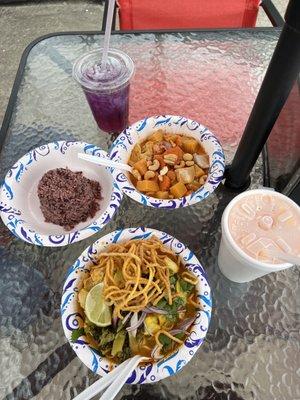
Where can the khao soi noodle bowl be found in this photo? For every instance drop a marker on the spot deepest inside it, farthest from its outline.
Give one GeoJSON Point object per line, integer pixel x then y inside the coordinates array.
{"type": "Point", "coordinates": [137, 298]}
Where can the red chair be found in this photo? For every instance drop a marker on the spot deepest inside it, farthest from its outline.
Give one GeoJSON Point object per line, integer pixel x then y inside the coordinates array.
{"type": "Point", "coordinates": [191, 14]}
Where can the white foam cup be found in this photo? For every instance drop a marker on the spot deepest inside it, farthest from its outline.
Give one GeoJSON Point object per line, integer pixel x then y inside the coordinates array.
{"type": "Point", "coordinates": [233, 262]}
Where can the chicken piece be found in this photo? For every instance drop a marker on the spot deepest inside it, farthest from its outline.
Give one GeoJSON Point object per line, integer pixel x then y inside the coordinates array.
{"type": "Point", "coordinates": [202, 160]}
{"type": "Point", "coordinates": [161, 147]}
{"type": "Point", "coordinates": [185, 175]}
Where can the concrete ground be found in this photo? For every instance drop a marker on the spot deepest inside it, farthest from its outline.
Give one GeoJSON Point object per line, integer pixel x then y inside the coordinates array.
{"type": "Point", "coordinates": [22, 23]}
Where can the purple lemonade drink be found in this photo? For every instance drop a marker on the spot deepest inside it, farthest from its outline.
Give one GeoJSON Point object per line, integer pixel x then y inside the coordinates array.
{"type": "Point", "coordinates": [106, 87]}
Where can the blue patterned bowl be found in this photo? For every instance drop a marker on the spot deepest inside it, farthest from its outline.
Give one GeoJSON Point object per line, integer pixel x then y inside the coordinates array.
{"type": "Point", "coordinates": [72, 317]}
{"type": "Point", "coordinates": [139, 131]}
{"type": "Point", "coordinates": [19, 203]}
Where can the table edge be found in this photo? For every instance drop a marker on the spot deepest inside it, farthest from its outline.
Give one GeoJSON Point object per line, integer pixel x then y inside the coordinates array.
{"type": "Point", "coordinates": [20, 71]}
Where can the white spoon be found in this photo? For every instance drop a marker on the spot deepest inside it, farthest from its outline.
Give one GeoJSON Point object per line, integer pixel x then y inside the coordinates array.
{"type": "Point", "coordinates": [114, 377]}
{"type": "Point", "coordinates": [106, 162]}
{"type": "Point", "coordinates": [119, 382]}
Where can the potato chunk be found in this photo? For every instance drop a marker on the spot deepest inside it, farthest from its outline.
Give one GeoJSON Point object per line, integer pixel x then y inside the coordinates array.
{"type": "Point", "coordinates": [178, 190]}
{"type": "Point", "coordinates": [147, 186]}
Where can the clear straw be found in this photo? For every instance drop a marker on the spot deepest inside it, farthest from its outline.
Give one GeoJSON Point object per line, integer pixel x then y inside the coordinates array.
{"type": "Point", "coordinates": [109, 18]}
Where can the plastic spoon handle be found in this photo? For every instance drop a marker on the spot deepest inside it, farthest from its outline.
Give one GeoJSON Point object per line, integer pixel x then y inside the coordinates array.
{"type": "Point", "coordinates": [101, 383]}
{"type": "Point", "coordinates": [290, 258]}
{"type": "Point", "coordinates": [105, 162]}
{"type": "Point", "coordinates": [117, 385]}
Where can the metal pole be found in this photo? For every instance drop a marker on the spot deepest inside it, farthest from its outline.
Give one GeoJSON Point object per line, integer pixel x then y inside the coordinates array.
{"type": "Point", "coordinates": [277, 84]}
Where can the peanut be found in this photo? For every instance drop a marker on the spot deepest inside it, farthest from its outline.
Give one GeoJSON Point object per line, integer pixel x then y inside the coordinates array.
{"type": "Point", "coordinates": [187, 157]}
{"type": "Point", "coordinates": [170, 159]}
{"type": "Point", "coordinates": [160, 178]}
{"type": "Point", "coordinates": [149, 175]}
{"type": "Point", "coordinates": [149, 163]}
{"type": "Point", "coordinates": [181, 165]}
{"type": "Point", "coordinates": [154, 166]}
{"type": "Point", "coordinates": [136, 174]}
{"type": "Point", "coordinates": [189, 163]}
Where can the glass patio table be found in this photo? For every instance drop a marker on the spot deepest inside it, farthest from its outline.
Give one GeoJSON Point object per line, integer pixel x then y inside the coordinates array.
{"type": "Point", "coordinates": [252, 346]}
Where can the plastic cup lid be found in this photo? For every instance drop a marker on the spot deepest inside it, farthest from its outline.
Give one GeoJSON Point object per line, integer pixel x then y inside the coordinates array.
{"type": "Point", "coordinates": [259, 223]}
{"type": "Point", "coordinates": [92, 76]}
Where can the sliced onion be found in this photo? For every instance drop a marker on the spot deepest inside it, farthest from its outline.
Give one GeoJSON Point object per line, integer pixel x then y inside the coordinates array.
{"type": "Point", "coordinates": [176, 331]}
{"type": "Point", "coordinates": [156, 310]}
{"type": "Point", "coordinates": [155, 354]}
{"type": "Point", "coordinates": [202, 160]}
{"type": "Point", "coordinates": [135, 323]}
{"type": "Point", "coordinates": [185, 324]}
{"type": "Point", "coordinates": [183, 327]}
{"type": "Point", "coordinates": [115, 322]}
{"type": "Point", "coordinates": [125, 319]}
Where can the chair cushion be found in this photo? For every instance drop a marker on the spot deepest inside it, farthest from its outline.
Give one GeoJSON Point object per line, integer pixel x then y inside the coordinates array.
{"type": "Point", "coordinates": [172, 14]}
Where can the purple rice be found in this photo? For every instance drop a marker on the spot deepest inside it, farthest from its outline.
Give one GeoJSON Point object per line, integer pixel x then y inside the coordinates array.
{"type": "Point", "coordinates": [68, 198]}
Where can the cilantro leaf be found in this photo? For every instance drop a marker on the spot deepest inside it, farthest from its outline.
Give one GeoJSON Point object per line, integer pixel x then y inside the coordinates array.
{"type": "Point", "coordinates": [177, 302]}
{"type": "Point", "coordinates": [186, 286]}
{"type": "Point", "coordinates": [180, 335]}
{"type": "Point", "coordinates": [76, 333]}
{"type": "Point", "coordinates": [172, 309]}
{"type": "Point", "coordinates": [172, 317]}
{"type": "Point", "coordinates": [173, 280]}
{"type": "Point", "coordinates": [163, 304]}
{"type": "Point", "coordinates": [164, 340]}
{"type": "Point", "coordinates": [106, 337]}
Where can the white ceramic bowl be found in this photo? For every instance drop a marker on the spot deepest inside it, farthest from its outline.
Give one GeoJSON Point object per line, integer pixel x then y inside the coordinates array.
{"type": "Point", "coordinates": [19, 203]}
{"type": "Point", "coordinates": [139, 131]}
{"type": "Point", "coordinates": [72, 317]}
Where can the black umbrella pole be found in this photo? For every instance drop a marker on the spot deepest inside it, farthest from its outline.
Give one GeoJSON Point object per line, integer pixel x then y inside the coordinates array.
{"type": "Point", "coordinates": [277, 84]}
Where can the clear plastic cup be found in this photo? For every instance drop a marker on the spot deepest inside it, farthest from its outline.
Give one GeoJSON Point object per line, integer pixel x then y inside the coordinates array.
{"type": "Point", "coordinates": [106, 89]}
{"type": "Point", "coordinates": [233, 261]}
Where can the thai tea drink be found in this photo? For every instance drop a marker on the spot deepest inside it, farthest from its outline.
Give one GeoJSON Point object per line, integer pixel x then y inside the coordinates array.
{"type": "Point", "coordinates": [106, 87]}
{"type": "Point", "coordinates": [257, 227]}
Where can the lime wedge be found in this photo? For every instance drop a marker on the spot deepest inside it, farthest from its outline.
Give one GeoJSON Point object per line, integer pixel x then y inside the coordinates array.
{"type": "Point", "coordinates": [96, 309]}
